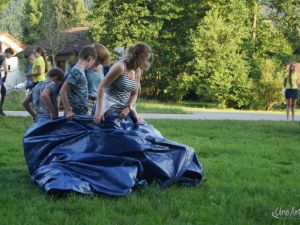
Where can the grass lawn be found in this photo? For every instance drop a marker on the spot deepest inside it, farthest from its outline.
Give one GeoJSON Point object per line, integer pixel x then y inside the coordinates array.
{"type": "Point", "coordinates": [251, 169]}
{"type": "Point", "coordinates": [14, 99]}
{"type": "Point", "coordinates": [154, 106]}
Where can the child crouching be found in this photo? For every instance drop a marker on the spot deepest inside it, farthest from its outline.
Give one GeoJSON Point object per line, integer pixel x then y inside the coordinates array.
{"type": "Point", "coordinates": [44, 97]}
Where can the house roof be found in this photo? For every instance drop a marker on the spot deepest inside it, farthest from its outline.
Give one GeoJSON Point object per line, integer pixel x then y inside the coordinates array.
{"type": "Point", "coordinates": [9, 41]}
{"type": "Point", "coordinates": [75, 39]}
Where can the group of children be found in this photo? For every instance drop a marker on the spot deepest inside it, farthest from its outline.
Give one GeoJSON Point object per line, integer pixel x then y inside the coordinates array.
{"type": "Point", "coordinates": [77, 89]}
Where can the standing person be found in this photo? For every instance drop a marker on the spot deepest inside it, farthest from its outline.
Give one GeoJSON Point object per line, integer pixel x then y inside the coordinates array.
{"type": "Point", "coordinates": [2, 64]}
{"type": "Point", "coordinates": [30, 83]}
{"type": "Point", "coordinates": [119, 89]}
{"type": "Point", "coordinates": [74, 92]}
{"type": "Point", "coordinates": [44, 97]}
{"type": "Point", "coordinates": [39, 67]}
{"type": "Point", "coordinates": [95, 74]}
{"type": "Point", "coordinates": [291, 92]}
{"type": "Point", "coordinates": [8, 53]}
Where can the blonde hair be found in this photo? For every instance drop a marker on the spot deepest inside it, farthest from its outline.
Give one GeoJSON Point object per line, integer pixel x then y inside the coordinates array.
{"type": "Point", "coordinates": [135, 55]}
{"type": "Point", "coordinates": [103, 55]}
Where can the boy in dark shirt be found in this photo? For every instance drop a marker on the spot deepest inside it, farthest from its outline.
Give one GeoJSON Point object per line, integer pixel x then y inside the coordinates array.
{"type": "Point", "coordinates": [44, 97]}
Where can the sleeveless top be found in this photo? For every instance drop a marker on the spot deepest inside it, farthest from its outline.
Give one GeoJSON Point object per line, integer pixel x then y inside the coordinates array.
{"type": "Point", "coordinates": [117, 95]}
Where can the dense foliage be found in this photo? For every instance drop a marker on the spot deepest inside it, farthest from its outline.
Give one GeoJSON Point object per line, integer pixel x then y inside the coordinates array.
{"type": "Point", "coordinates": [216, 51]}
{"type": "Point", "coordinates": [221, 51]}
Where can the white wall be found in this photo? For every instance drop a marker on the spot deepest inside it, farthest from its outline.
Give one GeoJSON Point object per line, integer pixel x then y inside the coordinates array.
{"type": "Point", "coordinates": [15, 73]}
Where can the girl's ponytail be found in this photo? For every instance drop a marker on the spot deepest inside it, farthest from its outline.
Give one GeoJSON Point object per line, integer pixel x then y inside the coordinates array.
{"type": "Point", "coordinates": [43, 54]}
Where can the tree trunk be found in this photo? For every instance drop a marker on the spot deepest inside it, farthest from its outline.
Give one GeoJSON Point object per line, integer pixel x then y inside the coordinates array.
{"type": "Point", "coordinates": [254, 25]}
{"type": "Point", "coordinates": [53, 61]}
{"type": "Point", "coordinates": [157, 79]}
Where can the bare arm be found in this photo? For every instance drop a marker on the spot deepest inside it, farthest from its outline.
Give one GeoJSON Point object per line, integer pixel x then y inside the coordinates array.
{"type": "Point", "coordinates": [116, 71]}
{"type": "Point", "coordinates": [135, 93]}
{"type": "Point", "coordinates": [26, 104]}
{"type": "Point", "coordinates": [38, 72]}
{"type": "Point", "coordinates": [133, 99]}
{"type": "Point", "coordinates": [64, 99]}
{"type": "Point", "coordinates": [47, 100]}
{"type": "Point", "coordinates": [4, 64]}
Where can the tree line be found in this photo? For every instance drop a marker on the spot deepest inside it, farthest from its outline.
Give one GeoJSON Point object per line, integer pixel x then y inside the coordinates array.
{"type": "Point", "coordinates": [231, 52]}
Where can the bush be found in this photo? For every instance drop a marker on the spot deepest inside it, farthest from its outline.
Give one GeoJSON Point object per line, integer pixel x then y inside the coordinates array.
{"type": "Point", "coordinates": [267, 92]}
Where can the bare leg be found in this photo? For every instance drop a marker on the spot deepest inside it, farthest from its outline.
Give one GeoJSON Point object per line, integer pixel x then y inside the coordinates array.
{"type": "Point", "coordinates": [293, 105]}
{"type": "Point", "coordinates": [288, 103]}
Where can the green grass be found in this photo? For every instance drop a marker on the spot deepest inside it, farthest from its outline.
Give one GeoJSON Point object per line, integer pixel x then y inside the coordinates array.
{"type": "Point", "coordinates": [155, 106]}
{"type": "Point", "coordinates": [251, 168]}
{"type": "Point", "coordinates": [14, 99]}
{"type": "Point", "coordinates": [152, 106]}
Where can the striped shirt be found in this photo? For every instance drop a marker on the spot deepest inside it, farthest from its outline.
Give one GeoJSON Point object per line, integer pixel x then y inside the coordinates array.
{"type": "Point", "coordinates": [118, 93]}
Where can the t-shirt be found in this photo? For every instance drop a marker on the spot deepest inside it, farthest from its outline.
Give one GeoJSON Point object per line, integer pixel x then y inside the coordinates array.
{"type": "Point", "coordinates": [38, 104]}
{"type": "Point", "coordinates": [294, 81]}
{"type": "Point", "coordinates": [39, 62]}
{"type": "Point", "coordinates": [78, 91]}
{"type": "Point", "coordinates": [94, 78]}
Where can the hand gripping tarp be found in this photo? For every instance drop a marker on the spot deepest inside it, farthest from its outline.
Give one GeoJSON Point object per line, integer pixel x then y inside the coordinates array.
{"type": "Point", "coordinates": [112, 158]}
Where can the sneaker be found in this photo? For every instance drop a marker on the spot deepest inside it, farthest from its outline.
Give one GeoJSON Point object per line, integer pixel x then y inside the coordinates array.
{"type": "Point", "coordinates": [2, 113]}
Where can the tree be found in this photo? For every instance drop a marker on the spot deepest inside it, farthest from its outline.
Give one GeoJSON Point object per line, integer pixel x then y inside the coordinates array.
{"type": "Point", "coordinates": [268, 90]}
{"type": "Point", "coordinates": [221, 69]}
{"type": "Point", "coordinates": [65, 14]}
{"type": "Point", "coordinates": [213, 50]}
{"type": "Point", "coordinates": [9, 17]}
{"type": "Point", "coordinates": [52, 24]}
{"type": "Point", "coordinates": [3, 3]}
{"type": "Point", "coordinates": [286, 17]}
{"type": "Point", "coordinates": [121, 23]}
{"type": "Point", "coordinates": [163, 24]}
{"type": "Point", "coordinates": [33, 12]}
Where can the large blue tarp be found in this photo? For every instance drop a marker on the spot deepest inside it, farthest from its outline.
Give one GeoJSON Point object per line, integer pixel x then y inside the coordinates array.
{"type": "Point", "coordinates": [112, 158]}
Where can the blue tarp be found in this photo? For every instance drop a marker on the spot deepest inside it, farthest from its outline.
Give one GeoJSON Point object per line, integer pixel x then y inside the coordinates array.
{"type": "Point", "coordinates": [112, 158]}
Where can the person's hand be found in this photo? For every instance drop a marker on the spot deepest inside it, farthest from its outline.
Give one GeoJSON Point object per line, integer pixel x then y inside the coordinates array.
{"type": "Point", "coordinates": [34, 117]}
{"type": "Point", "coordinates": [54, 116]}
{"type": "Point", "coordinates": [98, 117]}
{"type": "Point", "coordinates": [138, 118]}
{"type": "Point", "coordinates": [69, 115]}
{"type": "Point", "coordinates": [124, 113]}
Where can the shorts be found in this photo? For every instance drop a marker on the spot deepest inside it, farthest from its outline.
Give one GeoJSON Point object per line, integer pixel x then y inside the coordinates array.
{"type": "Point", "coordinates": [91, 106]}
{"type": "Point", "coordinates": [291, 93]}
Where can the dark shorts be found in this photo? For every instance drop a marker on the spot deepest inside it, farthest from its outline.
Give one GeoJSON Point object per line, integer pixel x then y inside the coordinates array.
{"type": "Point", "coordinates": [291, 93]}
